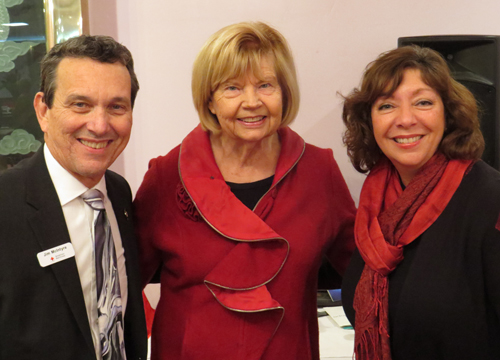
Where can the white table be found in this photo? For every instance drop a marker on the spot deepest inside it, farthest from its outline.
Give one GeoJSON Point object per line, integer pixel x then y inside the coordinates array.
{"type": "Point", "coordinates": [335, 342]}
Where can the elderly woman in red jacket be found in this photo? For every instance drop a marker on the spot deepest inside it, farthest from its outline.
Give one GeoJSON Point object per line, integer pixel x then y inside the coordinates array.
{"type": "Point", "coordinates": [240, 214]}
{"type": "Point", "coordinates": [425, 283]}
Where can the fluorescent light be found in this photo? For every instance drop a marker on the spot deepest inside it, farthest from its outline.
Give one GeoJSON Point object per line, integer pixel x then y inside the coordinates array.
{"type": "Point", "coordinates": [16, 24]}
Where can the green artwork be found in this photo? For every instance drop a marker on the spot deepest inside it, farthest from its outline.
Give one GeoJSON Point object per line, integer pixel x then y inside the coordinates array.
{"type": "Point", "coordinates": [22, 46]}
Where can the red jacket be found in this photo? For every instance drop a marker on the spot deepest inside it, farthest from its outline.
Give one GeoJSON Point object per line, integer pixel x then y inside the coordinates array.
{"type": "Point", "coordinates": [237, 284]}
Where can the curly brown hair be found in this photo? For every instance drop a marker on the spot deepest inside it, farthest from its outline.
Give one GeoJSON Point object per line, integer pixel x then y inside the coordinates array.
{"type": "Point", "coordinates": [462, 138]}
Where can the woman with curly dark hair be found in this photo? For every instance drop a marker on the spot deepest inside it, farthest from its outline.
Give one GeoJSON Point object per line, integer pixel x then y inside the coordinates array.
{"type": "Point", "coordinates": [424, 282]}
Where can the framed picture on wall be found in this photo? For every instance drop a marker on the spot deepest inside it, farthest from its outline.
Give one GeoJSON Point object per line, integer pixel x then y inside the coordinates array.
{"type": "Point", "coordinates": [28, 28]}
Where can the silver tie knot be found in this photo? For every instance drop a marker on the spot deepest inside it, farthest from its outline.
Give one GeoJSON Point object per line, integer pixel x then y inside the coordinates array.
{"type": "Point", "coordinates": [94, 198]}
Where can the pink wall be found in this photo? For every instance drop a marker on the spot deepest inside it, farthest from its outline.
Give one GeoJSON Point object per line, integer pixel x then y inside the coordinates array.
{"type": "Point", "coordinates": [332, 41]}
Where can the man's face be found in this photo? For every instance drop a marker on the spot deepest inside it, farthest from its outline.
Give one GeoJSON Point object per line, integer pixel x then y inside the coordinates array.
{"type": "Point", "coordinates": [90, 120]}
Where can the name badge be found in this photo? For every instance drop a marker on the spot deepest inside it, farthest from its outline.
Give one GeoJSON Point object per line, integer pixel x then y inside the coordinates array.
{"type": "Point", "coordinates": [56, 254]}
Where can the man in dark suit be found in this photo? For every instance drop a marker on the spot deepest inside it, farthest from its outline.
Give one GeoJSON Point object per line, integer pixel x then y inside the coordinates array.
{"type": "Point", "coordinates": [49, 302]}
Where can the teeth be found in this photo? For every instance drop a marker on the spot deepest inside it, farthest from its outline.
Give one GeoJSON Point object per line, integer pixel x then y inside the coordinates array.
{"type": "Point", "coordinates": [408, 140]}
{"type": "Point", "coordinates": [252, 120]}
{"type": "Point", "coordinates": [95, 145]}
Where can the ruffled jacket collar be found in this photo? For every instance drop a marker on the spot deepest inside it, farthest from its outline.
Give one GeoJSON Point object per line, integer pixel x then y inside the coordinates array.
{"type": "Point", "coordinates": [238, 281]}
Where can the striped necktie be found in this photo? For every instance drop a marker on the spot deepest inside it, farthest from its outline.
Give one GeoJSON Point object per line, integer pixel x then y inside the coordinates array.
{"type": "Point", "coordinates": [109, 304]}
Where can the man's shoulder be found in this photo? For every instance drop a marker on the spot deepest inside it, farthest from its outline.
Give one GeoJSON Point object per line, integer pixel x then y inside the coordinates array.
{"type": "Point", "coordinates": [14, 184]}
{"type": "Point", "coordinates": [117, 186]}
{"type": "Point", "coordinates": [11, 176]}
{"type": "Point", "coordinates": [116, 179]}
{"type": "Point", "coordinates": [16, 177]}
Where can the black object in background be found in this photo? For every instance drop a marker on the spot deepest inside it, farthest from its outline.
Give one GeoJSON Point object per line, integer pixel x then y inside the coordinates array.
{"type": "Point", "coordinates": [328, 278]}
{"type": "Point", "coordinates": [473, 60]}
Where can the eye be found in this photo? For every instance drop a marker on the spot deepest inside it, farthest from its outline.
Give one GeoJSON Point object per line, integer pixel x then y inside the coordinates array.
{"type": "Point", "coordinates": [80, 106]}
{"type": "Point", "coordinates": [118, 109]}
{"type": "Point", "coordinates": [229, 91]}
{"type": "Point", "coordinates": [267, 88]}
{"type": "Point", "coordinates": [424, 102]}
{"type": "Point", "coordinates": [385, 107]}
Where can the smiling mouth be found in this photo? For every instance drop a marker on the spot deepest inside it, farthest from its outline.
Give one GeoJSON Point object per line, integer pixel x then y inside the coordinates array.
{"type": "Point", "coordinates": [95, 145]}
{"type": "Point", "coordinates": [252, 119]}
{"type": "Point", "coordinates": [408, 140]}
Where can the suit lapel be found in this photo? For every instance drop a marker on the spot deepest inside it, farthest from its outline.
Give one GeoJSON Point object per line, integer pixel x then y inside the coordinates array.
{"type": "Point", "coordinates": [49, 226]}
{"type": "Point", "coordinates": [122, 208]}
{"type": "Point", "coordinates": [135, 324]}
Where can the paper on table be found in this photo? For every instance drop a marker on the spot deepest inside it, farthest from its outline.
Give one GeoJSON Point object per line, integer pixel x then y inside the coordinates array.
{"type": "Point", "coordinates": [338, 315]}
{"type": "Point", "coordinates": [334, 342]}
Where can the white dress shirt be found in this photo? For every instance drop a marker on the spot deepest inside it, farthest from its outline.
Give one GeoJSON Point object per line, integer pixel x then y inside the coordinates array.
{"type": "Point", "coordinates": [80, 222]}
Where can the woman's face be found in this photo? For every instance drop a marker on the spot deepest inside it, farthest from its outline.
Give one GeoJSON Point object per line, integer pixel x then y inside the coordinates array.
{"type": "Point", "coordinates": [249, 109]}
{"type": "Point", "coordinates": [409, 124]}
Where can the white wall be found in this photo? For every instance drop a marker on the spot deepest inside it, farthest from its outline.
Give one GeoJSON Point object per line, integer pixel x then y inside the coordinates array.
{"type": "Point", "coordinates": [332, 41]}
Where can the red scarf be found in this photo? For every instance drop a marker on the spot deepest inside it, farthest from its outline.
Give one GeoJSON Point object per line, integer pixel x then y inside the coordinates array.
{"type": "Point", "coordinates": [389, 218]}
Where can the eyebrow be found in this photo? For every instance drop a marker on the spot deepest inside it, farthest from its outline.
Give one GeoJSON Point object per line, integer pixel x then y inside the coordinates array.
{"type": "Point", "coordinates": [416, 92]}
{"type": "Point", "coordinates": [121, 99]}
{"type": "Point", "coordinates": [230, 81]}
{"type": "Point", "coordinates": [269, 77]}
{"type": "Point", "coordinates": [76, 97]}
{"type": "Point", "coordinates": [419, 90]}
{"type": "Point", "coordinates": [260, 76]}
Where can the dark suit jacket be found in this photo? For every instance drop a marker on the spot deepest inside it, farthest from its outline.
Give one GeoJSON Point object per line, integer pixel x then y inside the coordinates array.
{"type": "Point", "coordinates": [42, 310]}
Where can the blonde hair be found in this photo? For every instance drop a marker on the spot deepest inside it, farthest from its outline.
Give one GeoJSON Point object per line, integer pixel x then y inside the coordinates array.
{"type": "Point", "coordinates": [230, 53]}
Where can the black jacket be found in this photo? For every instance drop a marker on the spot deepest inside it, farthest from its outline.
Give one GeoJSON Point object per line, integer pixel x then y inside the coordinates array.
{"type": "Point", "coordinates": [42, 310]}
